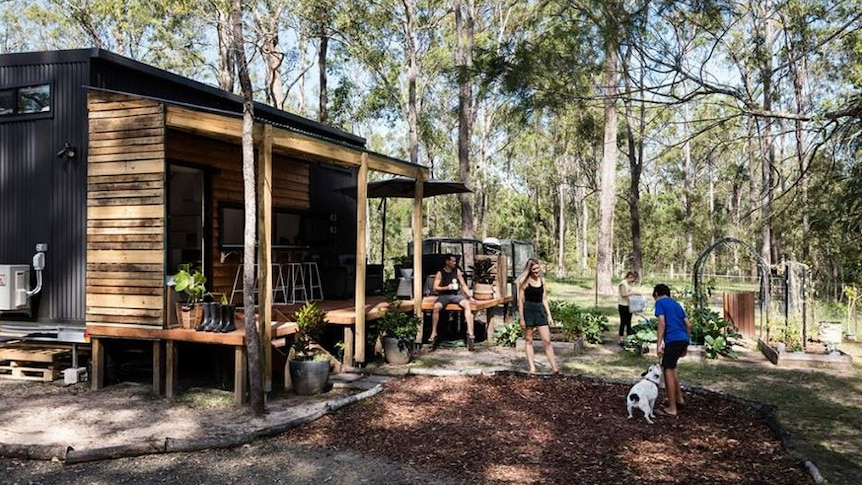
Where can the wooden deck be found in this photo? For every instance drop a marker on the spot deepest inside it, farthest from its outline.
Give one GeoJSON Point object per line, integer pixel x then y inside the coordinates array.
{"type": "Point", "coordinates": [338, 312]}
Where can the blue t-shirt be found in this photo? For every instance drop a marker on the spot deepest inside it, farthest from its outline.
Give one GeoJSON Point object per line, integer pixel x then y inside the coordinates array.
{"type": "Point", "coordinates": [674, 320]}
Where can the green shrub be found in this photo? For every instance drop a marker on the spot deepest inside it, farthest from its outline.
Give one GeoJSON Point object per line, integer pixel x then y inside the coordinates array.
{"type": "Point", "coordinates": [508, 335]}
{"type": "Point", "coordinates": [310, 321]}
{"type": "Point", "coordinates": [790, 333]}
{"type": "Point", "coordinates": [576, 322]}
{"type": "Point", "coordinates": [713, 332]}
{"type": "Point", "coordinates": [398, 324]}
{"type": "Point", "coordinates": [644, 333]}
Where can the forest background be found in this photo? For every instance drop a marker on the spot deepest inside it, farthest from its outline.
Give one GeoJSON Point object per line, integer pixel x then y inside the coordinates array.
{"type": "Point", "coordinates": [613, 135]}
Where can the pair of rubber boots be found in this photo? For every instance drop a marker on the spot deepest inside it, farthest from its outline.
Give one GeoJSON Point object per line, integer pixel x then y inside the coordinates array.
{"type": "Point", "coordinates": [217, 318]}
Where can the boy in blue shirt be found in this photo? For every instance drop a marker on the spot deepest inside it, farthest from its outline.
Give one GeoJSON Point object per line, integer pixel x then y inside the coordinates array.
{"type": "Point", "coordinates": [674, 332]}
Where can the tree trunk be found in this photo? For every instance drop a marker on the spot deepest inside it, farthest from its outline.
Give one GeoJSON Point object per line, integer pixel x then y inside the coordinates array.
{"type": "Point", "coordinates": [412, 101]}
{"type": "Point", "coordinates": [561, 234]}
{"type": "Point", "coordinates": [248, 174]}
{"type": "Point", "coordinates": [636, 153]}
{"type": "Point", "coordinates": [687, 183]}
{"type": "Point", "coordinates": [799, 69]}
{"type": "Point", "coordinates": [272, 56]}
{"type": "Point", "coordinates": [608, 182]}
{"type": "Point", "coordinates": [226, 67]}
{"type": "Point", "coordinates": [303, 65]}
{"type": "Point", "coordinates": [767, 142]}
{"type": "Point", "coordinates": [321, 63]}
{"type": "Point", "coordinates": [464, 28]}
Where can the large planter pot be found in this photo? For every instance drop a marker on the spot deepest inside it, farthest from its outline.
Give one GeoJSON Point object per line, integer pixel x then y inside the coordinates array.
{"type": "Point", "coordinates": [308, 377]}
{"type": "Point", "coordinates": [483, 291]}
{"type": "Point", "coordinates": [395, 354]}
{"type": "Point", "coordinates": [189, 316]}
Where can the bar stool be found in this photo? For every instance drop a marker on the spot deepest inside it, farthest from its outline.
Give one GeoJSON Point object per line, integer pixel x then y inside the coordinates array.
{"type": "Point", "coordinates": [313, 281]}
{"type": "Point", "coordinates": [296, 280]}
{"type": "Point", "coordinates": [278, 283]}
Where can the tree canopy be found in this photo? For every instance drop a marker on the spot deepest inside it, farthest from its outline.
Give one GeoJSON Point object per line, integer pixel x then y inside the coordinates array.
{"type": "Point", "coordinates": [613, 135]}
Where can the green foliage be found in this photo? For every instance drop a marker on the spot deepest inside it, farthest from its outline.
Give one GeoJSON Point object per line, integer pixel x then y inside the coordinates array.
{"type": "Point", "coordinates": [707, 327]}
{"type": "Point", "coordinates": [403, 261]}
{"type": "Point", "coordinates": [310, 320]}
{"type": "Point", "coordinates": [191, 282]}
{"type": "Point", "coordinates": [508, 335]}
{"type": "Point", "coordinates": [576, 322]}
{"type": "Point", "coordinates": [790, 333]}
{"type": "Point", "coordinates": [483, 271]}
{"type": "Point", "coordinates": [395, 323]}
{"type": "Point", "coordinates": [645, 333]}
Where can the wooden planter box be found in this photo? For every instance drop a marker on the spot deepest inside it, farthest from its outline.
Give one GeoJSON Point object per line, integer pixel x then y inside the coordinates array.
{"type": "Point", "coordinates": [805, 359]}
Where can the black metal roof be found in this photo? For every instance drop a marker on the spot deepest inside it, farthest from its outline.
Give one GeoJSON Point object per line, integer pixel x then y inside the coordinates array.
{"type": "Point", "coordinates": [264, 111]}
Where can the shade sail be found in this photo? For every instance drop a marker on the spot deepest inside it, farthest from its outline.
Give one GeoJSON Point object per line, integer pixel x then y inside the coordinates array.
{"type": "Point", "coordinates": [403, 188]}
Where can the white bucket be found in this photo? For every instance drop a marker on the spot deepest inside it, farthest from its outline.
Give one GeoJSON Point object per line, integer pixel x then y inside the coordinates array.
{"type": "Point", "coordinates": [830, 332]}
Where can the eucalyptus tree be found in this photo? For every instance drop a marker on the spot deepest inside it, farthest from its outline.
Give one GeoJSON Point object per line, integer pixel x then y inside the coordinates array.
{"type": "Point", "coordinates": [752, 59]}
{"type": "Point", "coordinates": [163, 34]}
{"type": "Point", "coordinates": [269, 20]}
{"type": "Point", "coordinates": [396, 43]}
{"type": "Point", "coordinates": [464, 32]}
{"type": "Point", "coordinates": [253, 344]}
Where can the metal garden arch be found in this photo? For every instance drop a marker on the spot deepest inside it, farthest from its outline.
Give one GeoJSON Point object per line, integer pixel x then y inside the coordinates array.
{"type": "Point", "coordinates": [763, 273]}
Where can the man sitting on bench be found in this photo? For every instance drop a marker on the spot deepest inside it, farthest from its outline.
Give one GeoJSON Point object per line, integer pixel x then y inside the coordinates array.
{"type": "Point", "coordinates": [449, 285]}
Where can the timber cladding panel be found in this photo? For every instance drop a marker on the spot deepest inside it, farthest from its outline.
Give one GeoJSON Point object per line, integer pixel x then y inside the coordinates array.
{"type": "Point", "coordinates": [291, 187]}
{"type": "Point", "coordinates": [125, 210]}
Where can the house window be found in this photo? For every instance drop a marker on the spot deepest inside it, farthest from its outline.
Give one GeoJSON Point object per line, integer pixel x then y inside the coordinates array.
{"type": "Point", "coordinates": [25, 101]}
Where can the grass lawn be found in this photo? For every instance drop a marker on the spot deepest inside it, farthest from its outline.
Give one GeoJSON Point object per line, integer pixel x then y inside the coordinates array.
{"type": "Point", "coordinates": [821, 409]}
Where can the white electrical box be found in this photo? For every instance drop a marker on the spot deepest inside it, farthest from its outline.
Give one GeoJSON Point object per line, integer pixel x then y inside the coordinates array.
{"type": "Point", "coordinates": [14, 283]}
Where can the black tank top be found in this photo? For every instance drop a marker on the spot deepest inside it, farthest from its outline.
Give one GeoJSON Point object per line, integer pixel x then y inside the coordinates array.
{"type": "Point", "coordinates": [534, 293]}
{"type": "Point", "coordinates": [446, 279]}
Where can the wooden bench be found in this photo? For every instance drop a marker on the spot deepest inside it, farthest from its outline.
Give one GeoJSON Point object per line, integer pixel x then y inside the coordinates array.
{"type": "Point", "coordinates": [475, 306]}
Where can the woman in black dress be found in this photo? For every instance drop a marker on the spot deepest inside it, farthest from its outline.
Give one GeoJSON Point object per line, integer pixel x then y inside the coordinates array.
{"type": "Point", "coordinates": [535, 313]}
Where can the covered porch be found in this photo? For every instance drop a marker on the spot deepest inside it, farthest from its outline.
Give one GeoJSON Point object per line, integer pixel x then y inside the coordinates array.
{"type": "Point", "coordinates": [137, 146]}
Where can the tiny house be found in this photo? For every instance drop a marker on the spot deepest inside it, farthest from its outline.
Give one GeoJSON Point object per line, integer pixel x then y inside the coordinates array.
{"type": "Point", "coordinates": [120, 172]}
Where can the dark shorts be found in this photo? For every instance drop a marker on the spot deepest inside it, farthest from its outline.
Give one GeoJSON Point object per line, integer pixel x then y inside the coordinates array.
{"type": "Point", "coordinates": [447, 299]}
{"type": "Point", "coordinates": [534, 314]}
{"type": "Point", "coordinates": [672, 352]}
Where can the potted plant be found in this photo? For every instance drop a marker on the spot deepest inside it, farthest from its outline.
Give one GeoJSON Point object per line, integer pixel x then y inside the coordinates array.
{"type": "Point", "coordinates": [191, 284]}
{"type": "Point", "coordinates": [403, 266]}
{"type": "Point", "coordinates": [484, 277]}
{"type": "Point", "coordinates": [308, 366]}
{"type": "Point", "coordinates": [397, 330]}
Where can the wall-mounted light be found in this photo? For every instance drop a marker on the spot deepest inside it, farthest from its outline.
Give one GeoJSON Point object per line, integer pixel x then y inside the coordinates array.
{"type": "Point", "coordinates": [69, 151]}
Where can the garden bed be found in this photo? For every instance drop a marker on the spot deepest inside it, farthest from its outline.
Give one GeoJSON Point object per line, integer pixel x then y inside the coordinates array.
{"type": "Point", "coordinates": [813, 360]}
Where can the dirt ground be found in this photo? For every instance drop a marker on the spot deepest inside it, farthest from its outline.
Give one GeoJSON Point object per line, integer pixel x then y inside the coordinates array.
{"type": "Point", "coordinates": [495, 429]}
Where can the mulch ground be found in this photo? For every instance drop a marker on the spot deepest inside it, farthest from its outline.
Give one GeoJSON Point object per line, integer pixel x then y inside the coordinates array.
{"type": "Point", "coordinates": [561, 430]}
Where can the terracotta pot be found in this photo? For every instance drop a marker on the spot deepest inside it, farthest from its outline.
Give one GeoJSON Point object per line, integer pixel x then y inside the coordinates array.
{"type": "Point", "coordinates": [483, 291]}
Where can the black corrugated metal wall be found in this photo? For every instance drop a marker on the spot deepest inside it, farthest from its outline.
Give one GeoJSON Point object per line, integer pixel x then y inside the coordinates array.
{"type": "Point", "coordinates": [43, 197]}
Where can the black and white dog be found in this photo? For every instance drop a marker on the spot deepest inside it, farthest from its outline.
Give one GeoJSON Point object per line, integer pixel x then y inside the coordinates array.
{"type": "Point", "coordinates": [645, 392]}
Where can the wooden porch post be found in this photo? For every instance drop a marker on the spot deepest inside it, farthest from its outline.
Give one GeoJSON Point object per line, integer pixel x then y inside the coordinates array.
{"type": "Point", "coordinates": [417, 253]}
{"type": "Point", "coordinates": [361, 256]}
{"type": "Point", "coordinates": [264, 253]}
